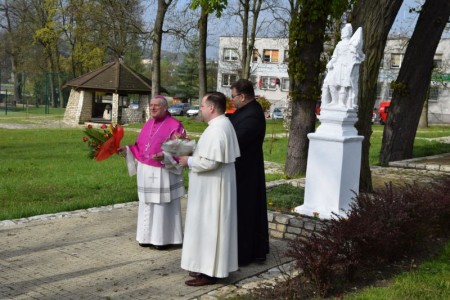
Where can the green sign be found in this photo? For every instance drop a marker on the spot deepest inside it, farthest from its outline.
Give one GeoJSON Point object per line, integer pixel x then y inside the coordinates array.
{"type": "Point", "coordinates": [440, 77]}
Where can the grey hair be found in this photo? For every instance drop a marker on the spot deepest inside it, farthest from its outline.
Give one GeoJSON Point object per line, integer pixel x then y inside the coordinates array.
{"type": "Point", "coordinates": [162, 100]}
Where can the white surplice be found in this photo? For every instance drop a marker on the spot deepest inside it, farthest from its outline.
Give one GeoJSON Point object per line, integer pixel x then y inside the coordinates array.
{"type": "Point", "coordinates": [210, 236]}
{"type": "Point", "coordinates": [160, 191]}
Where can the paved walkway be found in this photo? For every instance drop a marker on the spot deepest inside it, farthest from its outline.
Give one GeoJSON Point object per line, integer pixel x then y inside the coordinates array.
{"type": "Point", "coordinates": [92, 254]}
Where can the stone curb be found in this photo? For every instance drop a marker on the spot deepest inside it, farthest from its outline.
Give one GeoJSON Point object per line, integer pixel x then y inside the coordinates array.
{"type": "Point", "coordinates": [67, 214]}
{"type": "Point", "coordinates": [420, 163]}
{"type": "Point", "coordinates": [270, 278]}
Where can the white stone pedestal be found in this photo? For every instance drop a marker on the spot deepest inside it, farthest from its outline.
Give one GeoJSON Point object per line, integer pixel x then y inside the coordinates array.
{"type": "Point", "coordinates": [334, 160]}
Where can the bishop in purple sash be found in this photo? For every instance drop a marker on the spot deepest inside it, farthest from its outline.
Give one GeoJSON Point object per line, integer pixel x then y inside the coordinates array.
{"type": "Point", "coordinates": [159, 179]}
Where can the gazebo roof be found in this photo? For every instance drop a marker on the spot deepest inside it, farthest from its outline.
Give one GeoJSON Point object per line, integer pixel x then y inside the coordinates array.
{"type": "Point", "coordinates": [114, 77]}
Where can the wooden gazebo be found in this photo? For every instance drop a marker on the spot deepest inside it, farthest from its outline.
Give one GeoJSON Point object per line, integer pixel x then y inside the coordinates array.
{"type": "Point", "coordinates": [103, 96]}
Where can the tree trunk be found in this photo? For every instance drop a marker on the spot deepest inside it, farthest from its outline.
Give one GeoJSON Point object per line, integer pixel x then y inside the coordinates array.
{"type": "Point", "coordinates": [203, 34]}
{"type": "Point", "coordinates": [376, 18]}
{"type": "Point", "coordinates": [423, 121]}
{"type": "Point", "coordinates": [411, 86]}
{"type": "Point", "coordinates": [156, 48]}
{"type": "Point", "coordinates": [17, 79]}
{"type": "Point", "coordinates": [304, 70]}
{"type": "Point", "coordinates": [244, 43]}
{"type": "Point", "coordinates": [251, 42]}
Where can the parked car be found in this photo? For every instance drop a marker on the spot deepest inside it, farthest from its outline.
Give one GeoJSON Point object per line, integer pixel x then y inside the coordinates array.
{"type": "Point", "coordinates": [134, 106]}
{"type": "Point", "coordinates": [317, 109]}
{"type": "Point", "coordinates": [277, 114]}
{"type": "Point", "coordinates": [193, 111]}
{"type": "Point", "coordinates": [179, 109]}
{"type": "Point", "coordinates": [383, 111]}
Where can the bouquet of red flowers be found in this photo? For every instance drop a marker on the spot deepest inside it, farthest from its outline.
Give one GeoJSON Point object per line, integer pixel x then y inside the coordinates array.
{"type": "Point", "coordinates": [104, 141]}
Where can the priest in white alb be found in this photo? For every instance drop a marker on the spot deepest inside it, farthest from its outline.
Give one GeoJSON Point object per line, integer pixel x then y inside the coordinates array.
{"type": "Point", "coordinates": [159, 179]}
{"type": "Point", "coordinates": [210, 235]}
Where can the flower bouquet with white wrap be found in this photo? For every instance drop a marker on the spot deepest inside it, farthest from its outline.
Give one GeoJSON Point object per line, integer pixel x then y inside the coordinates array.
{"type": "Point", "coordinates": [179, 146]}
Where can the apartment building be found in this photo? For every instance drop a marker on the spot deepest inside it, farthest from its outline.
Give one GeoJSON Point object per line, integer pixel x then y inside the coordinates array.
{"type": "Point", "coordinates": [269, 74]}
{"type": "Point", "coordinates": [268, 70]}
{"type": "Point", "coordinates": [439, 94]}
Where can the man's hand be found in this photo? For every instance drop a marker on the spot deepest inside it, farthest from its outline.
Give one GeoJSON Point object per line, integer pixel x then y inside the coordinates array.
{"type": "Point", "coordinates": [158, 157]}
{"type": "Point", "coordinates": [183, 161]}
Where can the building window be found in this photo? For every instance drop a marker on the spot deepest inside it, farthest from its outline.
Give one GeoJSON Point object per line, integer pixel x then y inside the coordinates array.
{"type": "Point", "coordinates": [437, 63]}
{"type": "Point", "coordinates": [391, 92]}
{"type": "Point", "coordinates": [254, 80]}
{"type": "Point", "coordinates": [269, 83]}
{"type": "Point", "coordinates": [255, 55]}
{"type": "Point", "coordinates": [285, 84]}
{"type": "Point", "coordinates": [270, 55]}
{"type": "Point", "coordinates": [396, 61]}
{"type": "Point", "coordinates": [286, 56]}
{"type": "Point", "coordinates": [228, 79]}
{"type": "Point", "coordinates": [434, 94]}
{"type": "Point", "coordinates": [379, 89]}
{"type": "Point", "coordinates": [264, 83]}
{"type": "Point", "coordinates": [230, 54]}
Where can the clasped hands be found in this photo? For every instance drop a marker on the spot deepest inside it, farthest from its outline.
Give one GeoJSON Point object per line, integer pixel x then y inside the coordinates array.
{"type": "Point", "coordinates": [183, 161]}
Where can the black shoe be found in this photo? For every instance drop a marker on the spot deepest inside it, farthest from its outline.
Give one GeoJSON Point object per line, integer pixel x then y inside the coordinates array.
{"type": "Point", "coordinates": [145, 245]}
{"type": "Point", "coordinates": [162, 247]}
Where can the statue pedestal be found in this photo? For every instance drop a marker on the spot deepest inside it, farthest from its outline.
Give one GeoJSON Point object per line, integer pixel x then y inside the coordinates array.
{"type": "Point", "coordinates": [334, 160]}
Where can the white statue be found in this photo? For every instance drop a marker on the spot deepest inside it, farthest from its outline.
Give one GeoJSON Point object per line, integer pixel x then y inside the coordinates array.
{"type": "Point", "coordinates": [107, 112]}
{"type": "Point", "coordinates": [340, 86]}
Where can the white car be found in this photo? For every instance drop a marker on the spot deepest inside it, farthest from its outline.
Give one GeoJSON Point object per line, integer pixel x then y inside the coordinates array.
{"type": "Point", "coordinates": [193, 111]}
{"type": "Point", "coordinates": [178, 109]}
{"type": "Point", "coordinates": [277, 114]}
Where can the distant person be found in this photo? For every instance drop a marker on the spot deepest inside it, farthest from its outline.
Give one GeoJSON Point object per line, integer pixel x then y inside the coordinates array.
{"type": "Point", "coordinates": [249, 123]}
{"type": "Point", "coordinates": [210, 236]}
{"type": "Point", "coordinates": [159, 179]}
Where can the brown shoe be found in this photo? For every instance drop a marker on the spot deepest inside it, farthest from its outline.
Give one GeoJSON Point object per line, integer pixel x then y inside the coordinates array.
{"type": "Point", "coordinates": [194, 274]}
{"type": "Point", "coordinates": [201, 280]}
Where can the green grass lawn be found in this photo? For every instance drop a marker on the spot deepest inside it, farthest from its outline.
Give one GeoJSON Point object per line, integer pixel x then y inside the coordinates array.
{"type": "Point", "coordinates": [47, 170]}
{"type": "Point", "coordinates": [430, 280]}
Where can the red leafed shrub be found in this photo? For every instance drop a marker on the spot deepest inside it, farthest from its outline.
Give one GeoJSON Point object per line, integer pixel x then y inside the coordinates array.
{"type": "Point", "coordinates": [379, 228]}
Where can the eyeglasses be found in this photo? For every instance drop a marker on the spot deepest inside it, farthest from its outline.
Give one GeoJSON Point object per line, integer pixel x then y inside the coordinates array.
{"type": "Point", "coordinates": [234, 96]}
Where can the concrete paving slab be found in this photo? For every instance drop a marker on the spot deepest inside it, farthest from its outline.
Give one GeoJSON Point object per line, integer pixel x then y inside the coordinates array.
{"type": "Point", "coordinates": [94, 255]}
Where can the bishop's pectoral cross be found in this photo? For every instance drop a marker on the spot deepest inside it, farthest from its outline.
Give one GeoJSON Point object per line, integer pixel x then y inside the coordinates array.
{"type": "Point", "coordinates": [147, 146]}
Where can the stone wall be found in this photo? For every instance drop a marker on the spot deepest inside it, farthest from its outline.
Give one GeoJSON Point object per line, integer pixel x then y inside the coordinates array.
{"type": "Point", "coordinates": [132, 116]}
{"type": "Point", "coordinates": [284, 226]}
{"type": "Point", "coordinates": [79, 107]}
{"type": "Point", "coordinates": [85, 106]}
{"type": "Point", "coordinates": [70, 114]}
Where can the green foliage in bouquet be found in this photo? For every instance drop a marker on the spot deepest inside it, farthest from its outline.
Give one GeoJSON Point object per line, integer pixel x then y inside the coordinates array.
{"type": "Point", "coordinates": [95, 137]}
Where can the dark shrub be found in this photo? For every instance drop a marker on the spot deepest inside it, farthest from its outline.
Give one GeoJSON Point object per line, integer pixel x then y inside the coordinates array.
{"type": "Point", "coordinates": [379, 228]}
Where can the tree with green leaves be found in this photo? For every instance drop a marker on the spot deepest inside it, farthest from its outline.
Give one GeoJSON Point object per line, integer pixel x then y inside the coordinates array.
{"type": "Point", "coordinates": [413, 81]}
{"type": "Point", "coordinates": [187, 73]}
{"type": "Point", "coordinates": [15, 41]}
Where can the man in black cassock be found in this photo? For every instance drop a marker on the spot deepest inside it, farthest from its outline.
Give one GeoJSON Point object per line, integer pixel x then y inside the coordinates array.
{"type": "Point", "coordinates": [250, 125]}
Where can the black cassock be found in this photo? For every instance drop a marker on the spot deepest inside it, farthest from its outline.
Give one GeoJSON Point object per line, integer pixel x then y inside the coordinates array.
{"type": "Point", "coordinates": [253, 237]}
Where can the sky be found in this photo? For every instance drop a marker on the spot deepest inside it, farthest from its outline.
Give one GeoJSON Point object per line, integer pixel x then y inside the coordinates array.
{"type": "Point", "coordinates": [403, 25]}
